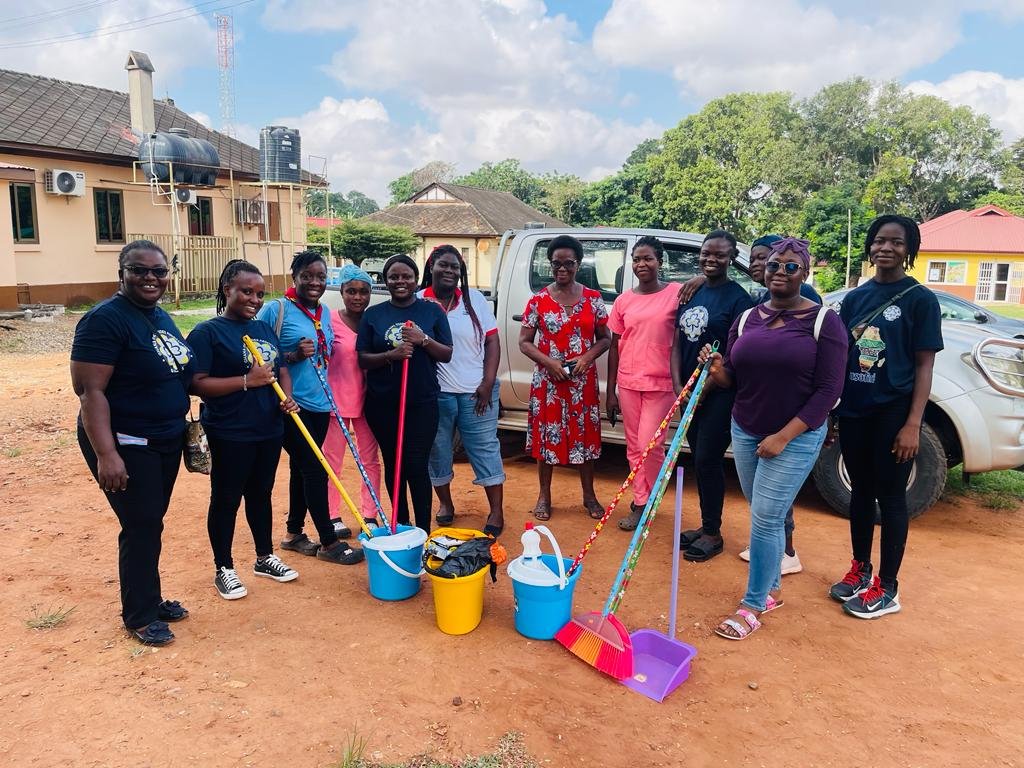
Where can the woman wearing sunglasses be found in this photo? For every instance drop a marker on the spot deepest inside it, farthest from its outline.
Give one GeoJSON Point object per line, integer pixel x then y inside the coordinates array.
{"type": "Point", "coordinates": [131, 370]}
{"type": "Point", "coordinates": [786, 359]}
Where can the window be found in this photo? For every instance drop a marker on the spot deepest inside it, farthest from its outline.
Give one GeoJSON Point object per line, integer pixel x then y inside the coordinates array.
{"type": "Point", "coordinates": [680, 263]}
{"type": "Point", "coordinates": [953, 272]}
{"type": "Point", "coordinates": [23, 213]}
{"type": "Point", "coordinates": [602, 266]}
{"type": "Point", "coordinates": [952, 309]}
{"type": "Point", "coordinates": [109, 216]}
{"type": "Point", "coordinates": [200, 217]}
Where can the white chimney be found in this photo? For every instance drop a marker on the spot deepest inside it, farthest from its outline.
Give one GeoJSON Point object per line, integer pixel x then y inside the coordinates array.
{"type": "Point", "coordinates": [140, 92]}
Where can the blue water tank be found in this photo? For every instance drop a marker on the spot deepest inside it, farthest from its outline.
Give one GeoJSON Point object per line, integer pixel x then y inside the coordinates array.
{"type": "Point", "coordinates": [280, 154]}
{"type": "Point", "coordinates": [195, 160]}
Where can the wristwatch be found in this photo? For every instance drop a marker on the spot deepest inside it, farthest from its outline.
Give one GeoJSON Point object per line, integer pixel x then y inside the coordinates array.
{"type": "Point", "coordinates": [426, 340]}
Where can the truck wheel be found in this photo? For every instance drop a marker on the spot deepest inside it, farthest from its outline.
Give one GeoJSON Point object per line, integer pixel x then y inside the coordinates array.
{"type": "Point", "coordinates": [927, 477]}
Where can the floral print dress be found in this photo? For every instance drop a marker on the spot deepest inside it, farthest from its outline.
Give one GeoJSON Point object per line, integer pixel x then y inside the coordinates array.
{"type": "Point", "coordinates": [564, 416]}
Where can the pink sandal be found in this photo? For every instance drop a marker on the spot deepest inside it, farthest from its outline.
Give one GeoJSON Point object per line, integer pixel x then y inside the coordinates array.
{"type": "Point", "coordinates": [742, 631]}
{"type": "Point", "coordinates": [770, 604]}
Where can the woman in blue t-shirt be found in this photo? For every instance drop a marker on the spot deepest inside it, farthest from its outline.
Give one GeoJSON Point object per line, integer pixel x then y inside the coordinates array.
{"type": "Point", "coordinates": [242, 417]}
{"type": "Point", "coordinates": [131, 370]}
{"type": "Point", "coordinates": [895, 330]}
{"type": "Point", "coordinates": [304, 329]}
{"type": "Point", "coordinates": [705, 319]}
{"type": "Point", "coordinates": [384, 342]}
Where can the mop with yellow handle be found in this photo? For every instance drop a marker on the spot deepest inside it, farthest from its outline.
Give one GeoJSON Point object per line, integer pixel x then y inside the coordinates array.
{"type": "Point", "coordinates": [258, 360]}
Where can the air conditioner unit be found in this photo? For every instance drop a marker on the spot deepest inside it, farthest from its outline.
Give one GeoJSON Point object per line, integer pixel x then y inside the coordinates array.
{"type": "Point", "coordinates": [185, 196]}
{"type": "Point", "coordinates": [249, 211]}
{"type": "Point", "coordinates": [58, 181]}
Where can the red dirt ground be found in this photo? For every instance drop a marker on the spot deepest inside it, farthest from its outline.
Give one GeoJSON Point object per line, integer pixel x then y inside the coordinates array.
{"type": "Point", "coordinates": [285, 676]}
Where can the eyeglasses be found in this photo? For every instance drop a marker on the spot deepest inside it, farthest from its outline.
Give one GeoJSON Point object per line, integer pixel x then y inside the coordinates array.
{"type": "Point", "coordinates": [569, 266]}
{"type": "Point", "coordinates": [790, 267]}
{"type": "Point", "coordinates": [140, 271]}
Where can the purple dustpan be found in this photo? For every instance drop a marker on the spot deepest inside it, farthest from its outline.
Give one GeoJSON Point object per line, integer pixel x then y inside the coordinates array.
{"type": "Point", "coordinates": [660, 662]}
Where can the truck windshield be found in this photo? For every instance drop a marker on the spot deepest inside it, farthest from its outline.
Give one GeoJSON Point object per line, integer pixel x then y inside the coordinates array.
{"type": "Point", "coordinates": [602, 267]}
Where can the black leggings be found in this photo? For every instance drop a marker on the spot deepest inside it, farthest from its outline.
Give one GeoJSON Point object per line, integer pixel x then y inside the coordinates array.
{"type": "Point", "coordinates": [418, 438]}
{"type": "Point", "coordinates": [709, 437]}
{"type": "Point", "coordinates": [866, 443]}
{"type": "Point", "coordinates": [140, 508]}
{"type": "Point", "coordinates": [241, 470]}
{"type": "Point", "coordinates": [307, 480]}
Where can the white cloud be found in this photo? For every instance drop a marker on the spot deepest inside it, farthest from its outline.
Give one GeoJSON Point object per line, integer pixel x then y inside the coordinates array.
{"type": "Point", "coordinates": [99, 60]}
{"type": "Point", "coordinates": [201, 117]}
{"type": "Point", "coordinates": [1000, 97]}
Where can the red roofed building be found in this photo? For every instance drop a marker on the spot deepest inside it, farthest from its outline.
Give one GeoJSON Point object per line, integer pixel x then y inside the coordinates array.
{"type": "Point", "coordinates": [978, 255]}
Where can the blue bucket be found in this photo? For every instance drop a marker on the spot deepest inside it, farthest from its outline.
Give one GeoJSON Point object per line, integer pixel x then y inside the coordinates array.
{"type": "Point", "coordinates": [541, 611]}
{"type": "Point", "coordinates": [394, 562]}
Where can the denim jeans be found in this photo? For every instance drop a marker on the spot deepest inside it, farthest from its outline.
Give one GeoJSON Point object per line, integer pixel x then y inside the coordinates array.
{"type": "Point", "coordinates": [456, 410]}
{"type": "Point", "coordinates": [770, 486]}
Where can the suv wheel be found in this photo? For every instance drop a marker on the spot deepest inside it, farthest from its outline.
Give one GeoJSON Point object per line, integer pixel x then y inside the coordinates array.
{"type": "Point", "coordinates": [927, 477]}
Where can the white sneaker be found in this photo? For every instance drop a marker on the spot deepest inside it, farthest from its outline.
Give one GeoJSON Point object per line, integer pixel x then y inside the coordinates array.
{"type": "Point", "coordinates": [228, 584]}
{"type": "Point", "coordinates": [272, 568]}
{"type": "Point", "coordinates": [790, 564]}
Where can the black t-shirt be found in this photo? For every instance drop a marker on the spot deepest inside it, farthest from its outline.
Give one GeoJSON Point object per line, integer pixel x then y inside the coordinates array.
{"type": "Point", "coordinates": [707, 318]}
{"type": "Point", "coordinates": [881, 363]}
{"type": "Point", "coordinates": [381, 330]}
{"type": "Point", "coordinates": [242, 416]}
{"type": "Point", "coordinates": [147, 392]}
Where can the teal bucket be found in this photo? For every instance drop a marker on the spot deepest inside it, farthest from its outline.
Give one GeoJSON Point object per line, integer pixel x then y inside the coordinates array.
{"type": "Point", "coordinates": [394, 562]}
{"type": "Point", "coordinates": [541, 611]}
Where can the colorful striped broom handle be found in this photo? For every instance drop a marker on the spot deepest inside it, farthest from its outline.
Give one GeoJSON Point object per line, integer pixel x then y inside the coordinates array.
{"type": "Point", "coordinates": [632, 473]}
{"type": "Point", "coordinates": [636, 543]}
{"type": "Point", "coordinates": [349, 440]}
{"type": "Point", "coordinates": [661, 486]}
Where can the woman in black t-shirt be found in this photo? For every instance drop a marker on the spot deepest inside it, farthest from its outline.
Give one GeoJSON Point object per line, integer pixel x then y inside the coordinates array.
{"type": "Point", "coordinates": [384, 342]}
{"type": "Point", "coordinates": [131, 370]}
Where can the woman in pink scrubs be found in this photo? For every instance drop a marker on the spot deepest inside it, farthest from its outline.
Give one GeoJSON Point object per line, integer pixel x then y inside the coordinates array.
{"type": "Point", "coordinates": [642, 322]}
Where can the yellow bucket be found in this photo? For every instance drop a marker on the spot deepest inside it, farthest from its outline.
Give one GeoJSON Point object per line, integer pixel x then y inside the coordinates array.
{"type": "Point", "coordinates": [459, 602]}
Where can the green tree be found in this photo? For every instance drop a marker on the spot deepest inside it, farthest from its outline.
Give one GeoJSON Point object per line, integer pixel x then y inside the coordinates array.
{"type": "Point", "coordinates": [317, 199]}
{"type": "Point", "coordinates": [360, 204]}
{"type": "Point", "coordinates": [824, 223]}
{"type": "Point", "coordinates": [402, 189]}
{"type": "Point", "coordinates": [835, 131]}
{"type": "Point", "coordinates": [507, 176]}
{"type": "Point", "coordinates": [564, 197]}
{"type": "Point", "coordinates": [356, 239]}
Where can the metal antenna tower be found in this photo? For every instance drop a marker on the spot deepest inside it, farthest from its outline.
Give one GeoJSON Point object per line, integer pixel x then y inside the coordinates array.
{"type": "Point", "coordinates": [226, 68]}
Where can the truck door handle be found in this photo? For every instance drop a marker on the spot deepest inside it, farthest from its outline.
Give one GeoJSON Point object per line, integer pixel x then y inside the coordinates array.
{"type": "Point", "coordinates": [517, 318]}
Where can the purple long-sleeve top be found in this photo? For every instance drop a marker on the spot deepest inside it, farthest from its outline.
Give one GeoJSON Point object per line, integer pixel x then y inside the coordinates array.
{"type": "Point", "coordinates": [783, 372]}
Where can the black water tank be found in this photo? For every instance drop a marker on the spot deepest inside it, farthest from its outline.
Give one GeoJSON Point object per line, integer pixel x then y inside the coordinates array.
{"type": "Point", "coordinates": [195, 160]}
{"type": "Point", "coordinates": [280, 154]}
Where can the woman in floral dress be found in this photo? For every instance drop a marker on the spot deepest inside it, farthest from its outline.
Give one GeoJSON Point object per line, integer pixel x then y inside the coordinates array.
{"type": "Point", "coordinates": [565, 330]}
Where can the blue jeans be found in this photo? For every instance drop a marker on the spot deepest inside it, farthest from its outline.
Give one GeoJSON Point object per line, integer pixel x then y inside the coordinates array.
{"type": "Point", "coordinates": [479, 438]}
{"type": "Point", "coordinates": [770, 486]}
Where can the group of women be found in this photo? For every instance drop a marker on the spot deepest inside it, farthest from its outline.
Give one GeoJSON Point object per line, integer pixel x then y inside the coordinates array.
{"type": "Point", "coordinates": [786, 368]}
{"type": "Point", "coordinates": [134, 374]}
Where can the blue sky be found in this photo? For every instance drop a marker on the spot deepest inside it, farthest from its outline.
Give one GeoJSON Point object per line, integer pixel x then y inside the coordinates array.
{"type": "Point", "coordinates": [382, 86]}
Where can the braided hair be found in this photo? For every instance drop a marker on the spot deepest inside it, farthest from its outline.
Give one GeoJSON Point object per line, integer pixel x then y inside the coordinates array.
{"type": "Point", "coordinates": [231, 269]}
{"type": "Point", "coordinates": [428, 280]}
{"type": "Point", "coordinates": [303, 259]}
{"type": "Point", "coordinates": [910, 231]}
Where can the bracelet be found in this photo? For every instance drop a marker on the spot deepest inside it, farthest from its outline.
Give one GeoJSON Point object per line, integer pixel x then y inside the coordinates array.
{"type": "Point", "coordinates": [245, 386]}
{"type": "Point", "coordinates": [426, 340]}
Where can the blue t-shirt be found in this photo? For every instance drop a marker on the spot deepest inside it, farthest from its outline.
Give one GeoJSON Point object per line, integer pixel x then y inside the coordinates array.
{"type": "Point", "coordinates": [152, 364]}
{"type": "Point", "coordinates": [306, 388]}
{"type": "Point", "coordinates": [242, 416]}
{"type": "Point", "coordinates": [381, 330]}
{"type": "Point", "coordinates": [880, 367]}
{"type": "Point", "coordinates": [806, 290]}
{"type": "Point", "coordinates": [707, 318]}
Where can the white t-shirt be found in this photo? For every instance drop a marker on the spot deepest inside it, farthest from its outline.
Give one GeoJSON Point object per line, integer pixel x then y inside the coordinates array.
{"type": "Point", "coordinates": [466, 369]}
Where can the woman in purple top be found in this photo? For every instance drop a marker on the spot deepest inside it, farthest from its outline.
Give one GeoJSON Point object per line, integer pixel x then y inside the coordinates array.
{"type": "Point", "coordinates": [786, 358]}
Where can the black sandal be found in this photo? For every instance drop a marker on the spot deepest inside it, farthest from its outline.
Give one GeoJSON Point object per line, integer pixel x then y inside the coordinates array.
{"type": "Point", "coordinates": [686, 538]}
{"type": "Point", "coordinates": [171, 610]}
{"type": "Point", "coordinates": [341, 553]}
{"type": "Point", "coordinates": [542, 510]}
{"type": "Point", "coordinates": [493, 530]}
{"type": "Point", "coordinates": [445, 519]}
{"type": "Point", "coordinates": [594, 509]}
{"type": "Point", "coordinates": [703, 549]}
{"type": "Point", "coordinates": [341, 530]}
{"type": "Point", "coordinates": [155, 633]}
{"type": "Point", "coordinates": [301, 544]}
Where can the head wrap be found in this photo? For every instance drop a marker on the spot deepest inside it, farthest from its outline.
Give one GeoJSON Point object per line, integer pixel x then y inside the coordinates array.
{"type": "Point", "coordinates": [796, 246]}
{"type": "Point", "coordinates": [766, 240]}
{"type": "Point", "coordinates": [351, 272]}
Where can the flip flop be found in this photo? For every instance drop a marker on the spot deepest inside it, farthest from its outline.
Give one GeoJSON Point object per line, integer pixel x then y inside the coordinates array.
{"type": "Point", "coordinates": [594, 509]}
{"type": "Point", "coordinates": [542, 511]}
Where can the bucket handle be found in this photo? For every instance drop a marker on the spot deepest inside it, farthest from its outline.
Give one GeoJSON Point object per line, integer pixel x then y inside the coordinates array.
{"type": "Point", "coordinates": [397, 568]}
{"type": "Point", "coordinates": [562, 580]}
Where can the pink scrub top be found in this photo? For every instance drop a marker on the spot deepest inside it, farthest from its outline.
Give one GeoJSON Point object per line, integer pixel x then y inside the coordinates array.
{"type": "Point", "coordinates": [645, 324]}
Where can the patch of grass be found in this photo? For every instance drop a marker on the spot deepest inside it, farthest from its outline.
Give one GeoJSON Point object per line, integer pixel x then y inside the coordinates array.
{"type": "Point", "coordinates": [186, 323]}
{"type": "Point", "coordinates": [81, 308]}
{"type": "Point", "coordinates": [510, 753]}
{"type": "Point", "coordinates": [13, 452]}
{"type": "Point", "coordinates": [994, 490]}
{"type": "Point", "coordinates": [48, 618]}
{"type": "Point", "coordinates": [1007, 310]}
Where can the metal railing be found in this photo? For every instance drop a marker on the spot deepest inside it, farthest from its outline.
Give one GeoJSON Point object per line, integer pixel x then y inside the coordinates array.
{"type": "Point", "coordinates": [1001, 362]}
{"type": "Point", "coordinates": [201, 258]}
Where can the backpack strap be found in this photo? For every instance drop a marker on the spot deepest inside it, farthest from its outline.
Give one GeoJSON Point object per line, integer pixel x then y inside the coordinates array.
{"type": "Point", "coordinates": [820, 320]}
{"type": "Point", "coordinates": [743, 321]}
{"type": "Point", "coordinates": [280, 318]}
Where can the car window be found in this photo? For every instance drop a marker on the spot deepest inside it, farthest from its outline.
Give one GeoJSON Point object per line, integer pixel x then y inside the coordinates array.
{"type": "Point", "coordinates": [680, 263]}
{"type": "Point", "coordinates": [950, 309]}
{"type": "Point", "coordinates": [602, 268]}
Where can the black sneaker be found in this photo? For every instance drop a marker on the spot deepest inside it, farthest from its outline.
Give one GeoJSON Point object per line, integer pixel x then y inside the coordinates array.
{"type": "Point", "coordinates": [873, 602]}
{"type": "Point", "coordinates": [272, 568]}
{"type": "Point", "coordinates": [340, 552]}
{"type": "Point", "coordinates": [227, 584]}
{"type": "Point", "coordinates": [857, 580]}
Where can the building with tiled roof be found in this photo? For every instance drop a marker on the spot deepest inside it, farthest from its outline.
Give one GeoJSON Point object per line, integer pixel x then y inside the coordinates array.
{"type": "Point", "coordinates": [63, 240]}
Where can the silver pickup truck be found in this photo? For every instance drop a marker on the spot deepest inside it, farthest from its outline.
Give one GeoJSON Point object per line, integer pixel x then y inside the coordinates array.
{"type": "Point", "coordinates": [975, 415]}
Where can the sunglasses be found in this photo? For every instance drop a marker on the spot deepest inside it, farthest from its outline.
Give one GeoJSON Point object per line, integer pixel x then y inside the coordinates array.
{"type": "Point", "coordinates": [566, 265]}
{"type": "Point", "coordinates": [790, 267]}
{"type": "Point", "coordinates": [140, 271]}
